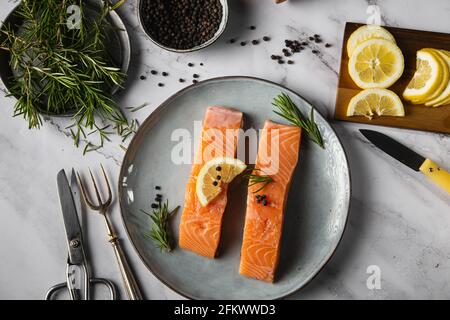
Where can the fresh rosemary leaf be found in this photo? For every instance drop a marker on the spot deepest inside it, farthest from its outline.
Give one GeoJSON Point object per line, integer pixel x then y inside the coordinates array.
{"type": "Point", "coordinates": [254, 179]}
{"type": "Point", "coordinates": [159, 232]}
{"type": "Point", "coordinates": [287, 109]}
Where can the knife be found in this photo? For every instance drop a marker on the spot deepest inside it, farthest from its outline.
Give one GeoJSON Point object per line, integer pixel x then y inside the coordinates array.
{"type": "Point", "coordinates": [408, 157]}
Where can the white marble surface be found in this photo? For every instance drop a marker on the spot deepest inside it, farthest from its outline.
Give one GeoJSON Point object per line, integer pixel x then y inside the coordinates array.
{"type": "Point", "coordinates": [398, 220]}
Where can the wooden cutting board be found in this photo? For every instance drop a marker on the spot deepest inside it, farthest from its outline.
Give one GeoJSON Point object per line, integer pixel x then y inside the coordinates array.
{"type": "Point", "coordinates": [417, 117]}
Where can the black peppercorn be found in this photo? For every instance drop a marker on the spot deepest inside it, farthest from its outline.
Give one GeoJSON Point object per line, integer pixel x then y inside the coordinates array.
{"type": "Point", "coordinates": [327, 45]}
{"type": "Point", "coordinates": [243, 43]}
{"type": "Point", "coordinates": [160, 84]}
{"type": "Point", "coordinates": [164, 74]}
{"type": "Point", "coordinates": [290, 62]}
{"type": "Point", "coordinates": [218, 168]}
{"type": "Point", "coordinates": [252, 27]}
{"type": "Point", "coordinates": [142, 77]}
{"type": "Point", "coordinates": [155, 206]}
{"type": "Point", "coordinates": [158, 188]}
{"type": "Point", "coordinates": [215, 183]}
{"type": "Point", "coordinates": [154, 72]}
{"type": "Point", "coordinates": [181, 80]}
{"type": "Point", "coordinates": [195, 75]}
{"type": "Point", "coordinates": [266, 38]}
{"type": "Point", "coordinates": [194, 81]}
{"type": "Point", "coordinates": [315, 51]}
{"type": "Point", "coordinates": [190, 64]}
{"type": "Point", "coordinates": [232, 41]}
{"type": "Point", "coordinates": [218, 178]}
{"type": "Point", "coordinates": [255, 42]}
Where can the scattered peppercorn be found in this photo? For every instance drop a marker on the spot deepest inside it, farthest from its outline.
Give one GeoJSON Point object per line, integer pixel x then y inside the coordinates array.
{"type": "Point", "coordinates": [255, 42]}
{"type": "Point", "coordinates": [165, 74]}
{"type": "Point", "coordinates": [142, 77]}
{"type": "Point", "coordinates": [194, 81]}
{"type": "Point", "coordinates": [155, 206]}
{"type": "Point", "coordinates": [304, 43]}
{"type": "Point", "coordinates": [160, 84]}
{"type": "Point", "coordinates": [158, 188]}
{"type": "Point", "coordinates": [190, 64]}
{"type": "Point", "coordinates": [218, 168]}
{"type": "Point", "coordinates": [273, 57]}
{"type": "Point", "coordinates": [266, 38]}
{"type": "Point", "coordinates": [154, 72]}
{"type": "Point", "coordinates": [243, 43]}
{"type": "Point", "coordinates": [315, 51]}
{"type": "Point", "coordinates": [264, 201]}
{"type": "Point", "coordinates": [252, 27]}
{"type": "Point", "coordinates": [280, 61]}
{"type": "Point", "coordinates": [311, 38]}
{"type": "Point", "coordinates": [290, 62]}
{"type": "Point", "coordinates": [232, 40]}
{"type": "Point", "coordinates": [287, 54]}
{"type": "Point", "coordinates": [181, 80]}
{"type": "Point", "coordinates": [316, 36]}
{"type": "Point", "coordinates": [195, 75]}
{"type": "Point", "coordinates": [201, 64]}
{"type": "Point", "coordinates": [159, 195]}
{"type": "Point", "coordinates": [215, 183]}
{"type": "Point", "coordinates": [327, 45]}
{"type": "Point", "coordinates": [430, 169]}
{"type": "Point", "coordinates": [218, 178]}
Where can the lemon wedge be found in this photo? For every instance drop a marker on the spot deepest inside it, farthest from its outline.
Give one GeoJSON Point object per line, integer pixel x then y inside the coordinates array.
{"type": "Point", "coordinates": [365, 33]}
{"type": "Point", "coordinates": [376, 63]}
{"type": "Point", "coordinates": [445, 94]}
{"type": "Point", "coordinates": [427, 79]}
{"type": "Point", "coordinates": [214, 174]}
{"type": "Point", "coordinates": [371, 102]}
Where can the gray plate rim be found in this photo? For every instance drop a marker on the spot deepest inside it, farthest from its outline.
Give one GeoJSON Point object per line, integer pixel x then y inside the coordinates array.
{"type": "Point", "coordinates": [133, 146]}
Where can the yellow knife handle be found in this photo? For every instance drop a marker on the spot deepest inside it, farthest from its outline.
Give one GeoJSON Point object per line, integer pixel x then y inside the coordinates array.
{"type": "Point", "coordinates": [440, 176]}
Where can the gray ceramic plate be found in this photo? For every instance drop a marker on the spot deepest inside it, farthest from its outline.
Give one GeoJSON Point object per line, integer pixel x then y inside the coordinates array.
{"type": "Point", "coordinates": [316, 211]}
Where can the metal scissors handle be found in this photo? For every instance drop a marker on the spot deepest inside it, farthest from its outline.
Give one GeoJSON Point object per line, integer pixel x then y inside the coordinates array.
{"type": "Point", "coordinates": [74, 292]}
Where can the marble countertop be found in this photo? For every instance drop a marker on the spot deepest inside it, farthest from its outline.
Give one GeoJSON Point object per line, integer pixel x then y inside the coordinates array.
{"type": "Point", "coordinates": [398, 220]}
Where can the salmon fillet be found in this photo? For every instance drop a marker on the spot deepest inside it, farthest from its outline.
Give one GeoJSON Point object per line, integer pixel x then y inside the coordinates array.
{"type": "Point", "coordinates": [277, 157]}
{"type": "Point", "coordinates": [200, 227]}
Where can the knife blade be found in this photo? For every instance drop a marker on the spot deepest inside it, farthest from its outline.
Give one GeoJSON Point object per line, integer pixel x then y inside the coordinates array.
{"type": "Point", "coordinates": [70, 217]}
{"type": "Point", "coordinates": [409, 158]}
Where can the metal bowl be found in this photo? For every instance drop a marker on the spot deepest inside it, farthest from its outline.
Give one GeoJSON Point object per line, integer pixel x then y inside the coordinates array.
{"type": "Point", "coordinates": [119, 49]}
{"type": "Point", "coordinates": [219, 32]}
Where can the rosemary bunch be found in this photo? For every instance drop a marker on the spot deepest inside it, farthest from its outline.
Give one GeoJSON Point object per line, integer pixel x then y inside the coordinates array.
{"type": "Point", "coordinates": [160, 229]}
{"type": "Point", "coordinates": [287, 109]}
{"type": "Point", "coordinates": [59, 70]}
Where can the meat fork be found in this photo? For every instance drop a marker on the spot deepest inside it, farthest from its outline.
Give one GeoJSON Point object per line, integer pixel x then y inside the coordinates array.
{"type": "Point", "coordinates": [131, 286]}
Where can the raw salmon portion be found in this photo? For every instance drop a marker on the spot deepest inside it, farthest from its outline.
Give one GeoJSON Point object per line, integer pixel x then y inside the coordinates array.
{"type": "Point", "coordinates": [277, 157]}
{"type": "Point", "coordinates": [200, 227]}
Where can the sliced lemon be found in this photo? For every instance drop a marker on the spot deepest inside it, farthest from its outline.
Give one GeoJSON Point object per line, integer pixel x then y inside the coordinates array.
{"type": "Point", "coordinates": [427, 78]}
{"type": "Point", "coordinates": [367, 32]}
{"type": "Point", "coordinates": [371, 102]}
{"type": "Point", "coordinates": [376, 63]}
{"type": "Point", "coordinates": [445, 94]}
{"type": "Point", "coordinates": [214, 174]}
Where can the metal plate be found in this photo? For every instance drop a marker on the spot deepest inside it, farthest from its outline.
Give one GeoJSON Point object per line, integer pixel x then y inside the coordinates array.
{"type": "Point", "coordinates": [316, 211]}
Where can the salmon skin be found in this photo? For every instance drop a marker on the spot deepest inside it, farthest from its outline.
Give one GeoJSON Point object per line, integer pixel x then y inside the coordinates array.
{"type": "Point", "coordinates": [277, 157]}
{"type": "Point", "coordinates": [200, 227]}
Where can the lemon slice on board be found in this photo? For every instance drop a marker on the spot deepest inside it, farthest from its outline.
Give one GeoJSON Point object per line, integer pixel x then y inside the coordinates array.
{"type": "Point", "coordinates": [376, 63]}
{"type": "Point", "coordinates": [445, 94]}
{"type": "Point", "coordinates": [367, 32]}
{"type": "Point", "coordinates": [371, 102]}
{"type": "Point", "coordinates": [214, 174]}
{"type": "Point", "coordinates": [427, 78]}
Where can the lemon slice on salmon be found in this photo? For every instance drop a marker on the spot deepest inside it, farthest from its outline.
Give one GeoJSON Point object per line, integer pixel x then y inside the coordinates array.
{"type": "Point", "coordinates": [367, 32]}
{"type": "Point", "coordinates": [214, 174]}
{"type": "Point", "coordinates": [376, 63]}
{"type": "Point", "coordinates": [445, 94]}
{"type": "Point", "coordinates": [371, 102]}
{"type": "Point", "coordinates": [427, 79]}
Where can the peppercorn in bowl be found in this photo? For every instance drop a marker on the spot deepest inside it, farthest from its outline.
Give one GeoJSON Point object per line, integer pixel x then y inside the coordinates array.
{"type": "Point", "coordinates": [183, 25]}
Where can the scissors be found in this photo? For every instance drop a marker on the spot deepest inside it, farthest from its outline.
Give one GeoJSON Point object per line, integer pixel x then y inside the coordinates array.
{"type": "Point", "coordinates": [78, 278]}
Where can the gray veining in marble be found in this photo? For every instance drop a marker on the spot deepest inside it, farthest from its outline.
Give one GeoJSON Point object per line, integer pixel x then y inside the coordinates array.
{"type": "Point", "coordinates": [398, 221]}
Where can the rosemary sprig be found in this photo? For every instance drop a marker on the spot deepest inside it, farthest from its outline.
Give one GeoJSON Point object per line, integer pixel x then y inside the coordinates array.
{"type": "Point", "coordinates": [254, 179]}
{"type": "Point", "coordinates": [289, 111]}
{"type": "Point", "coordinates": [160, 230]}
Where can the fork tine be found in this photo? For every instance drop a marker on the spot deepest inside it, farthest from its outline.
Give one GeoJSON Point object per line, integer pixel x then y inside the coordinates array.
{"type": "Point", "coordinates": [97, 193]}
{"type": "Point", "coordinates": [107, 184]}
{"type": "Point", "coordinates": [85, 195]}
